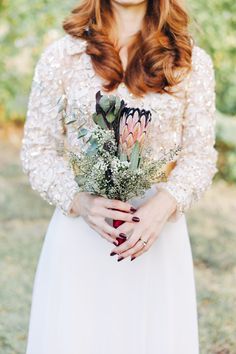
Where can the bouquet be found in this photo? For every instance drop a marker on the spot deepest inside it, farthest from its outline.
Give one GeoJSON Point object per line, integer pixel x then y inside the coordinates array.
{"type": "Point", "coordinates": [112, 162]}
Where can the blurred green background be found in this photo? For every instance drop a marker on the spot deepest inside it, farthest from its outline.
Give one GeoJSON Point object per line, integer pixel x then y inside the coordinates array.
{"type": "Point", "coordinates": [25, 29]}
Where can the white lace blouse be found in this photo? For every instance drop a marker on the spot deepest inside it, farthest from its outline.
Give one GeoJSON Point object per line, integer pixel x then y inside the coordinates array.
{"type": "Point", "coordinates": [186, 119]}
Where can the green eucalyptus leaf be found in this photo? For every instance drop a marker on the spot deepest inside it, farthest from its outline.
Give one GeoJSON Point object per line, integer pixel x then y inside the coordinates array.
{"type": "Point", "coordinates": [134, 158]}
{"type": "Point", "coordinates": [99, 120]}
{"type": "Point", "coordinates": [94, 116]}
{"type": "Point", "coordinates": [82, 132]}
{"type": "Point", "coordinates": [105, 103]}
{"type": "Point", "coordinates": [92, 139]}
{"type": "Point", "coordinates": [92, 150]}
{"type": "Point", "coordinates": [110, 117]}
{"type": "Point", "coordinates": [93, 143]}
{"type": "Point", "coordinates": [123, 157]}
{"type": "Point", "coordinates": [117, 105]}
{"type": "Point", "coordinates": [112, 99]}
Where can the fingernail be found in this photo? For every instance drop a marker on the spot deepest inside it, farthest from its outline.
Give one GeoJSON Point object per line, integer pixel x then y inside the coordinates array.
{"type": "Point", "coordinates": [132, 258]}
{"type": "Point", "coordinates": [135, 218]}
{"type": "Point", "coordinates": [120, 259]}
{"type": "Point", "coordinates": [112, 253]}
{"type": "Point", "coordinates": [122, 235]}
{"type": "Point", "coordinates": [133, 209]}
{"type": "Point", "coordinates": [116, 244]}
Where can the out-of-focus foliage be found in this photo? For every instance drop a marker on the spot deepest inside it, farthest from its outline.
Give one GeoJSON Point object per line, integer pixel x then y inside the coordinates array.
{"type": "Point", "coordinates": [26, 26]}
{"type": "Point", "coordinates": [214, 24]}
{"type": "Point", "coordinates": [226, 146]}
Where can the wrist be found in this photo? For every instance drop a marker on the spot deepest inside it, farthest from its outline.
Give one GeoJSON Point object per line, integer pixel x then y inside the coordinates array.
{"type": "Point", "coordinates": [74, 206]}
{"type": "Point", "coordinates": [168, 199]}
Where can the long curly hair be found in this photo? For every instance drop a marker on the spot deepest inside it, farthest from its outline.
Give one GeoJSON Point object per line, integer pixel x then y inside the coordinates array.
{"type": "Point", "coordinates": [159, 55]}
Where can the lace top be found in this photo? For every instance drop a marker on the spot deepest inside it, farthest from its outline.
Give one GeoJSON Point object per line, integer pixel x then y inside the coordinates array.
{"type": "Point", "coordinates": [186, 118]}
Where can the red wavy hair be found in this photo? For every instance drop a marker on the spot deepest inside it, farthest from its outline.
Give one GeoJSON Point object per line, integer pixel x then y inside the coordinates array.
{"type": "Point", "coordinates": [159, 56]}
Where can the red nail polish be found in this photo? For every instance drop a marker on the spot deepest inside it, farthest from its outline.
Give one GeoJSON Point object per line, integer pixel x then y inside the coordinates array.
{"type": "Point", "coordinates": [132, 258]}
{"type": "Point", "coordinates": [120, 240]}
{"type": "Point", "coordinates": [113, 253]}
{"type": "Point", "coordinates": [133, 209]}
{"type": "Point", "coordinates": [120, 259]}
{"type": "Point", "coordinates": [116, 244]}
{"type": "Point", "coordinates": [135, 218]}
{"type": "Point", "coordinates": [122, 235]}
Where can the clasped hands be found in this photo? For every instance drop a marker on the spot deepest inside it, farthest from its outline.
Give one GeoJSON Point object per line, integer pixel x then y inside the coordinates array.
{"type": "Point", "coordinates": [145, 222]}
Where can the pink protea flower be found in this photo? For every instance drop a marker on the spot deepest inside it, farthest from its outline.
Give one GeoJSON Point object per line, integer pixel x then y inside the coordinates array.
{"type": "Point", "coordinates": [133, 127]}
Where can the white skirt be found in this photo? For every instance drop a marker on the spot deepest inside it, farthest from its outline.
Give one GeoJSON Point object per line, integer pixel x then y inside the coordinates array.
{"type": "Point", "coordinates": [85, 302]}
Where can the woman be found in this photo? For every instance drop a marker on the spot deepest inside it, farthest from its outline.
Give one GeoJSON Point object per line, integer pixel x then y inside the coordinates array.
{"type": "Point", "coordinates": [84, 301]}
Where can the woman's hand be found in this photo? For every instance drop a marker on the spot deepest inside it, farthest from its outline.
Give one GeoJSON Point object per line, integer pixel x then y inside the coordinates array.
{"type": "Point", "coordinates": [153, 215]}
{"type": "Point", "coordinates": [95, 209]}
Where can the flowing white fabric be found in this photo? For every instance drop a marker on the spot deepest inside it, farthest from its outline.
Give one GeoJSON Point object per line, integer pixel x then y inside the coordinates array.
{"type": "Point", "coordinates": [85, 302]}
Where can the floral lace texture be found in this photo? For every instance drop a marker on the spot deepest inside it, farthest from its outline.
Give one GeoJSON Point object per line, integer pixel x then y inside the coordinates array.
{"type": "Point", "coordinates": [186, 118]}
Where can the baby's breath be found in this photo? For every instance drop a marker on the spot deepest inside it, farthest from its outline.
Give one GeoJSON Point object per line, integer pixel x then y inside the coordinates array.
{"type": "Point", "coordinates": [103, 173]}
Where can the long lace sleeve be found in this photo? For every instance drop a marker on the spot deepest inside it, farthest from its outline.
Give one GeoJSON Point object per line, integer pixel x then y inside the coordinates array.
{"type": "Point", "coordinates": [196, 164]}
{"type": "Point", "coordinates": [48, 171]}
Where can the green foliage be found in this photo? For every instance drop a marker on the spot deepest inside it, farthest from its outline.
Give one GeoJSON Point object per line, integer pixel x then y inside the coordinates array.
{"type": "Point", "coordinates": [26, 27]}
{"type": "Point", "coordinates": [214, 24]}
{"type": "Point", "coordinates": [135, 156]}
{"type": "Point", "coordinates": [226, 146]}
{"type": "Point", "coordinates": [82, 132]}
